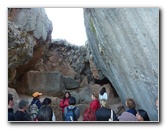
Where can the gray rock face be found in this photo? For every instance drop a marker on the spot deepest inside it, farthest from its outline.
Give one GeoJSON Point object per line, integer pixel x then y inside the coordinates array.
{"type": "Point", "coordinates": [29, 32]}
{"type": "Point", "coordinates": [33, 20]}
{"type": "Point", "coordinates": [20, 46]}
{"type": "Point", "coordinates": [124, 44]}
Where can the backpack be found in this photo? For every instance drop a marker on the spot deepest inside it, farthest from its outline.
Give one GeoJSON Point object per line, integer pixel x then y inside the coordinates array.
{"type": "Point", "coordinates": [70, 114]}
{"type": "Point", "coordinates": [33, 111]}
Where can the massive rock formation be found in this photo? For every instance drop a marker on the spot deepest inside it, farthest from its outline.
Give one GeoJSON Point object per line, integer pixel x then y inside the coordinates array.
{"type": "Point", "coordinates": [32, 20]}
{"type": "Point", "coordinates": [124, 43]}
{"type": "Point", "coordinates": [29, 33]}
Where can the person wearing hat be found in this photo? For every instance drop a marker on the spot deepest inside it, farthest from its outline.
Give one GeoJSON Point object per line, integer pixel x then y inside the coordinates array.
{"type": "Point", "coordinates": [36, 99]}
{"type": "Point", "coordinates": [21, 114]}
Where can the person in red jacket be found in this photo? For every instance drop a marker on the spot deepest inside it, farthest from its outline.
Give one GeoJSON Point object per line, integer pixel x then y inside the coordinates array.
{"type": "Point", "coordinates": [64, 103]}
{"type": "Point", "coordinates": [95, 104]}
{"type": "Point", "coordinates": [89, 115]}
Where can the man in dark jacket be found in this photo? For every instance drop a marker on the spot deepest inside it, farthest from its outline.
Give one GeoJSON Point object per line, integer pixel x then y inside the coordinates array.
{"type": "Point", "coordinates": [104, 114]}
{"type": "Point", "coordinates": [10, 108]}
{"type": "Point", "coordinates": [21, 114]}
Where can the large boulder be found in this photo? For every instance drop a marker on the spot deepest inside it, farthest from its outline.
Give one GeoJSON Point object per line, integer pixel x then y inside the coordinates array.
{"type": "Point", "coordinates": [49, 83]}
{"type": "Point", "coordinates": [124, 44]}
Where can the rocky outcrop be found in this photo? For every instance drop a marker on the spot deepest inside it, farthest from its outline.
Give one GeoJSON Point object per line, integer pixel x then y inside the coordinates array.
{"type": "Point", "coordinates": [29, 32]}
{"type": "Point", "coordinates": [37, 63]}
{"type": "Point", "coordinates": [68, 59]}
{"type": "Point", "coordinates": [20, 46]}
{"type": "Point", "coordinates": [124, 44]}
{"type": "Point", "coordinates": [32, 20]}
{"type": "Point", "coordinates": [49, 83]}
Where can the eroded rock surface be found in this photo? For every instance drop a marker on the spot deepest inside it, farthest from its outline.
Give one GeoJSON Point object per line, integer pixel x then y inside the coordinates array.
{"type": "Point", "coordinates": [124, 44]}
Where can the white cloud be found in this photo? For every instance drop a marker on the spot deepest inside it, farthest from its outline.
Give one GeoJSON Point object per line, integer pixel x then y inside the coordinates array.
{"type": "Point", "coordinates": [68, 23]}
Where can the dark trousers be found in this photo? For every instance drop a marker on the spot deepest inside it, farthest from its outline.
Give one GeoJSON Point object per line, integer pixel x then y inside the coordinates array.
{"type": "Point", "coordinates": [63, 116]}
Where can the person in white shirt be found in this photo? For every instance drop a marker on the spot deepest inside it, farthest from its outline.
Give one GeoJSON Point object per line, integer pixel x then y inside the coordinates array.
{"type": "Point", "coordinates": [103, 94]}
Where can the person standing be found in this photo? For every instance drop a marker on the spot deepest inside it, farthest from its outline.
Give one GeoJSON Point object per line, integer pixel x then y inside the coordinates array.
{"type": "Point", "coordinates": [64, 103]}
{"type": "Point", "coordinates": [89, 115]}
{"type": "Point", "coordinates": [45, 113]}
{"type": "Point", "coordinates": [47, 101]}
{"type": "Point", "coordinates": [10, 108]}
{"type": "Point", "coordinates": [36, 99]}
{"type": "Point", "coordinates": [21, 114]}
{"type": "Point", "coordinates": [95, 104]}
{"type": "Point", "coordinates": [103, 94]}
{"type": "Point", "coordinates": [130, 103]}
{"type": "Point", "coordinates": [71, 112]}
{"type": "Point", "coordinates": [104, 113]}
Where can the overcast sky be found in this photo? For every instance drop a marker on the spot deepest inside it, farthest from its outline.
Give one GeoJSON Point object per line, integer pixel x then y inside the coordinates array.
{"type": "Point", "coordinates": [68, 23]}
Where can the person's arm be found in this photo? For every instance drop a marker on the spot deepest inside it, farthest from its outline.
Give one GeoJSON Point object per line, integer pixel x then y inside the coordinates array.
{"type": "Point", "coordinates": [38, 103]}
{"type": "Point", "coordinates": [93, 105]}
{"type": "Point", "coordinates": [62, 104]}
{"type": "Point", "coordinates": [77, 113]}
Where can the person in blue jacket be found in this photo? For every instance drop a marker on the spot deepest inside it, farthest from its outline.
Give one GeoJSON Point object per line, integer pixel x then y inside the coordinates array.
{"type": "Point", "coordinates": [36, 99]}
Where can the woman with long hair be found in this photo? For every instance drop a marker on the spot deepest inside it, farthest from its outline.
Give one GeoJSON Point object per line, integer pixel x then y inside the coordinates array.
{"type": "Point", "coordinates": [45, 113]}
{"type": "Point", "coordinates": [64, 103]}
{"type": "Point", "coordinates": [47, 101]}
{"type": "Point", "coordinates": [142, 115]}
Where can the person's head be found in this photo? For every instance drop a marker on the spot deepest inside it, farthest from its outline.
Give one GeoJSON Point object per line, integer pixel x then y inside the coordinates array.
{"type": "Point", "coordinates": [67, 95]}
{"type": "Point", "coordinates": [102, 91]}
{"type": "Point", "coordinates": [72, 101]}
{"type": "Point", "coordinates": [89, 115]}
{"type": "Point", "coordinates": [126, 116]}
{"type": "Point", "coordinates": [36, 94]}
{"type": "Point", "coordinates": [10, 101]}
{"type": "Point", "coordinates": [23, 104]}
{"type": "Point", "coordinates": [142, 115]}
{"type": "Point", "coordinates": [103, 102]}
{"type": "Point", "coordinates": [130, 103]}
{"type": "Point", "coordinates": [94, 96]}
{"type": "Point", "coordinates": [45, 113]}
{"type": "Point", "coordinates": [157, 103]}
{"type": "Point", "coordinates": [46, 101]}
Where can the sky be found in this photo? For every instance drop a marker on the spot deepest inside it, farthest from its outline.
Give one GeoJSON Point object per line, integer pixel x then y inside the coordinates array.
{"type": "Point", "coordinates": [68, 23]}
